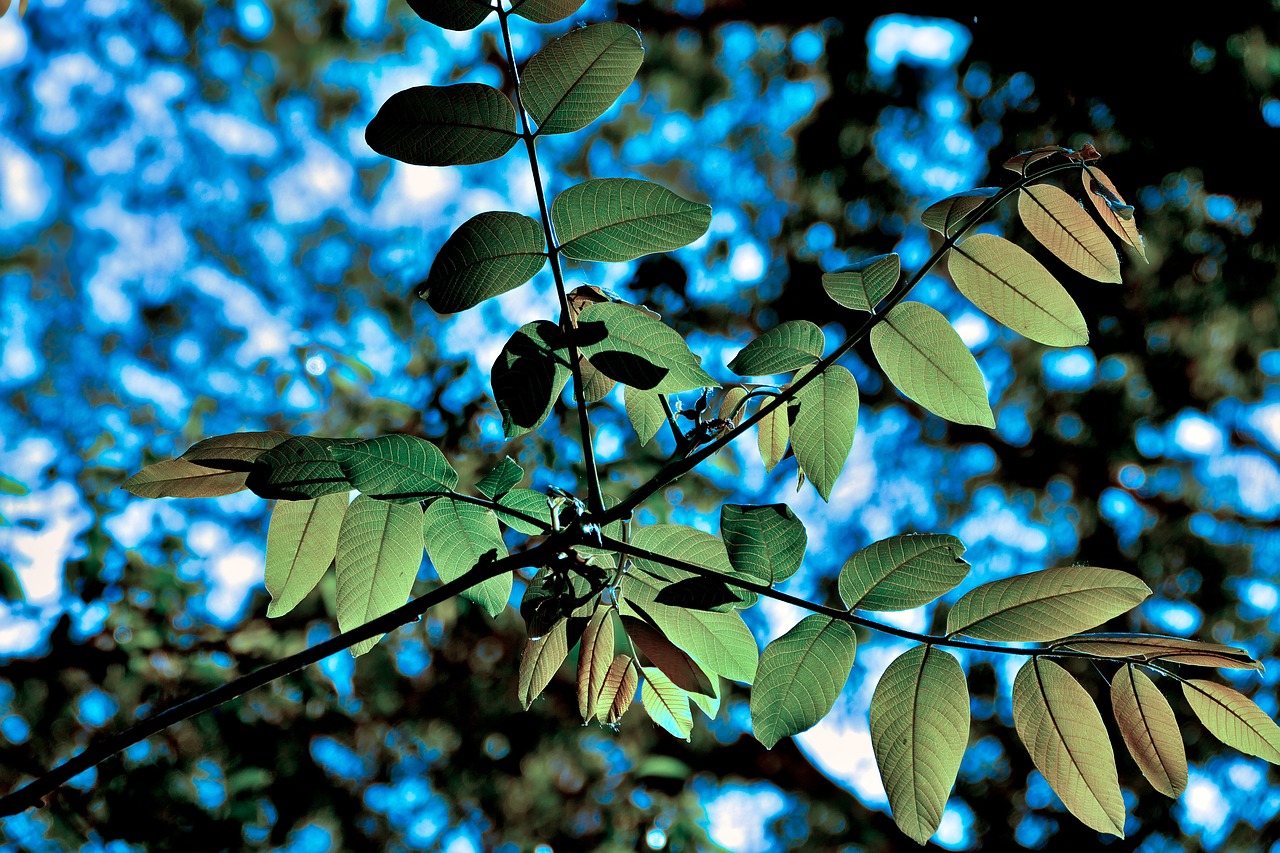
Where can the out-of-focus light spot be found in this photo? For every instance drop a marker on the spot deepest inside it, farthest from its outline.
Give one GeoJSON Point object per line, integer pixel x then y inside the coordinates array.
{"type": "Point", "coordinates": [1271, 112]}
{"type": "Point", "coordinates": [1260, 597]}
{"type": "Point", "coordinates": [23, 187]}
{"type": "Point", "coordinates": [1264, 420]}
{"type": "Point", "coordinates": [1205, 804]}
{"type": "Point", "coordinates": [1219, 207]}
{"type": "Point", "coordinates": [655, 838]}
{"type": "Point", "coordinates": [955, 832]}
{"type": "Point", "coordinates": [738, 816]}
{"type": "Point", "coordinates": [96, 708]}
{"type": "Point", "coordinates": [1176, 617]}
{"type": "Point", "coordinates": [255, 19]}
{"type": "Point", "coordinates": [806, 46]}
{"type": "Point", "coordinates": [339, 759]}
{"type": "Point", "coordinates": [1069, 370]}
{"type": "Point", "coordinates": [316, 365]}
{"type": "Point", "coordinates": [13, 41]}
{"type": "Point", "coordinates": [364, 17]}
{"type": "Point", "coordinates": [1195, 435]}
{"type": "Point", "coordinates": [895, 39]}
{"type": "Point", "coordinates": [974, 329]}
{"type": "Point", "coordinates": [309, 839]}
{"type": "Point", "coordinates": [15, 729]}
{"type": "Point", "coordinates": [747, 263]}
{"type": "Point", "coordinates": [1269, 362]}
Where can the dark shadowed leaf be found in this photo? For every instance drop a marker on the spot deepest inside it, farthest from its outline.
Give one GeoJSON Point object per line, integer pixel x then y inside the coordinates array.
{"type": "Point", "coordinates": [444, 125]}
{"type": "Point", "coordinates": [452, 14]}
{"type": "Point", "coordinates": [611, 327]}
{"type": "Point", "coordinates": [822, 432]}
{"type": "Point", "coordinates": [234, 452]}
{"type": "Point", "coordinates": [552, 596]}
{"type": "Point", "coordinates": [801, 673]}
{"type": "Point", "coordinates": [573, 80]}
{"type": "Point", "coordinates": [1065, 228]}
{"type": "Point", "coordinates": [685, 672]}
{"type": "Point", "coordinates": [400, 468]}
{"type": "Point", "coordinates": [1019, 163]}
{"type": "Point", "coordinates": [302, 541]}
{"type": "Point", "coordinates": [765, 542]}
{"type": "Point", "coordinates": [902, 572]}
{"type": "Point", "coordinates": [528, 376]}
{"type": "Point", "coordinates": [1149, 647]}
{"type": "Point", "coordinates": [488, 255]}
{"type": "Point", "coordinates": [299, 469]}
{"type": "Point", "coordinates": [180, 478]}
{"type": "Point", "coordinates": [460, 536]}
{"type": "Point", "coordinates": [379, 551]}
{"type": "Point", "coordinates": [862, 285]}
{"type": "Point", "coordinates": [1149, 730]}
{"type": "Point", "coordinates": [1112, 208]}
{"type": "Point", "coordinates": [545, 11]}
{"type": "Point", "coordinates": [698, 593]}
{"type": "Point", "coordinates": [619, 219]}
{"type": "Point", "coordinates": [787, 346]}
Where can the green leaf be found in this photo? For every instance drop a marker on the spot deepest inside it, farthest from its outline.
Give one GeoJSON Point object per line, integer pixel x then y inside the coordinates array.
{"type": "Point", "coordinates": [1045, 605]}
{"type": "Point", "coordinates": [765, 542]}
{"type": "Point", "coordinates": [618, 690]}
{"type": "Point", "coordinates": [731, 406]}
{"type": "Point", "coordinates": [773, 432]}
{"type": "Point", "coordinates": [801, 673]}
{"type": "Point", "coordinates": [460, 536]}
{"type": "Point", "coordinates": [444, 125]}
{"type": "Point", "coordinates": [683, 543]}
{"type": "Point", "coordinates": [611, 327]}
{"type": "Point", "coordinates": [1233, 718]}
{"type": "Point", "coordinates": [400, 468]}
{"type": "Point", "coordinates": [488, 255]}
{"type": "Point", "coordinates": [379, 551]}
{"type": "Point", "coordinates": [947, 215]}
{"type": "Point", "coordinates": [529, 375]}
{"type": "Point", "coordinates": [822, 432]}
{"type": "Point", "coordinates": [1015, 289]}
{"type": "Point", "coordinates": [541, 658]}
{"type": "Point", "coordinates": [1149, 647]}
{"type": "Point", "coordinates": [709, 705]}
{"type": "Point", "coordinates": [234, 452]}
{"type": "Point", "coordinates": [502, 479]}
{"type": "Point", "coordinates": [1063, 731]}
{"type": "Point", "coordinates": [299, 469]}
{"type": "Point", "coordinates": [620, 219]}
{"type": "Point", "coordinates": [644, 410]}
{"type": "Point", "coordinates": [452, 14]}
{"type": "Point", "coordinates": [302, 541]}
{"type": "Point", "coordinates": [902, 572]}
{"type": "Point", "coordinates": [594, 658]}
{"type": "Point", "coordinates": [683, 671]}
{"type": "Point", "coordinates": [787, 346]}
{"type": "Point", "coordinates": [545, 11]}
{"type": "Point", "coordinates": [926, 360]}
{"type": "Point", "coordinates": [10, 486]}
{"type": "Point", "coordinates": [1111, 207]}
{"type": "Point", "coordinates": [10, 584]}
{"type": "Point", "coordinates": [721, 642]}
{"type": "Point", "coordinates": [862, 285]}
{"type": "Point", "coordinates": [527, 502]}
{"type": "Point", "coordinates": [666, 704]}
{"type": "Point", "coordinates": [179, 478]}
{"type": "Point", "coordinates": [1149, 730]}
{"type": "Point", "coordinates": [1064, 227]}
{"type": "Point", "coordinates": [919, 731]}
{"type": "Point", "coordinates": [573, 80]}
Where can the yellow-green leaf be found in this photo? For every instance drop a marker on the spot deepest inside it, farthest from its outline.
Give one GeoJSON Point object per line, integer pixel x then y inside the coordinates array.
{"type": "Point", "coordinates": [573, 80]}
{"type": "Point", "coordinates": [928, 362]}
{"type": "Point", "coordinates": [594, 656]}
{"type": "Point", "coordinates": [1015, 289]}
{"type": "Point", "coordinates": [947, 215]}
{"type": "Point", "coordinates": [787, 346]}
{"type": "Point", "coordinates": [1045, 605]}
{"type": "Point", "coordinates": [644, 410]}
{"type": "Point", "coordinates": [529, 504]}
{"type": "Point", "coordinates": [302, 541]}
{"type": "Point", "coordinates": [1065, 228]}
{"type": "Point", "coordinates": [618, 690]}
{"type": "Point", "coordinates": [666, 704]}
{"type": "Point", "coordinates": [1233, 718]}
{"type": "Point", "coordinates": [1063, 731]}
{"type": "Point", "coordinates": [862, 285]}
{"type": "Point", "coordinates": [721, 642]}
{"type": "Point", "coordinates": [773, 432]}
{"type": "Point", "coordinates": [766, 542]}
{"type": "Point", "coordinates": [379, 551]}
{"type": "Point", "coordinates": [902, 572]}
{"type": "Point", "coordinates": [460, 536]}
{"type": "Point", "coordinates": [1149, 730]}
{"type": "Point", "coordinates": [298, 469]}
{"type": "Point", "coordinates": [542, 657]}
{"type": "Point", "coordinates": [801, 673]}
{"type": "Point", "coordinates": [180, 478]}
{"type": "Point", "coordinates": [919, 731]}
{"type": "Point", "coordinates": [1149, 647]}
{"type": "Point", "coordinates": [1112, 208]}
{"type": "Point", "coordinates": [822, 433]}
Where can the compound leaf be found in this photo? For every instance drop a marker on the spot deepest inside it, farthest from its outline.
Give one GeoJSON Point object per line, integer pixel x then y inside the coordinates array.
{"type": "Point", "coordinates": [573, 80]}
{"type": "Point", "coordinates": [1149, 730]}
{"type": "Point", "coordinates": [801, 673]}
{"type": "Point", "coordinates": [822, 432]}
{"type": "Point", "coordinates": [594, 657]}
{"type": "Point", "coordinates": [902, 572]}
{"type": "Point", "coordinates": [181, 478]}
{"type": "Point", "coordinates": [650, 349]}
{"type": "Point", "coordinates": [444, 125]}
{"type": "Point", "coordinates": [302, 541]}
{"type": "Point", "coordinates": [787, 346]}
{"type": "Point", "coordinates": [400, 468]}
{"type": "Point", "coordinates": [765, 542]}
{"type": "Point", "coordinates": [1066, 229]}
{"type": "Point", "coordinates": [528, 376]}
{"type": "Point", "coordinates": [1233, 718]}
{"type": "Point", "coordinates": [620, 219]}
{"type": "Point", "coordinates": [379, 551]}
{"type": "Point", "coordinates": [862, 285]}
{"type": "Point", "coordinates": [234, 452]}
{"type": "Point", "coordinates": [666, 704]}
{"type": "Point", "coordinates": [460, 536]}
{"type": "Point", "coordinates": [541, 659]}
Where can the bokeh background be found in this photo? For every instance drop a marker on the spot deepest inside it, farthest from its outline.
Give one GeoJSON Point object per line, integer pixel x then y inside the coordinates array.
{"type": "Point", "coordinates": [194, 239]}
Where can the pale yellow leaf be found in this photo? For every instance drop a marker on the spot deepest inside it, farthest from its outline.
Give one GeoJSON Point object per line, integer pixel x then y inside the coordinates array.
{"type": "Point", "coordinates": [1150, 730]}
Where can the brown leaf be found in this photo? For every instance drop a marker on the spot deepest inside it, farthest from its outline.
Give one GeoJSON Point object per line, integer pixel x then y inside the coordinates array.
{"type": "Point", "coordinates": [1148, 647]}
{"type": "Point", "coordinates": [1149, 730]}
{"type": "Point", "coordinates": [1019, 162]}
{"type": "Point", "coordinates": [683, 670]}
{"type": "Point", "coordinates": [593, 661]}
{"type": "Point", "coordinates": [541, 658]}
{"type": "Point", "coordinates": [618, 690]}
{"type": "Point", "coordinates": [179, 478]}
{"type": "Point", "coordinates": [1064, 227]}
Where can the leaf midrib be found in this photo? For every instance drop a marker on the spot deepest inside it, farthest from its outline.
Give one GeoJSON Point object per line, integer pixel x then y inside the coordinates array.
{"type": "Point", "coordinates": [1102, 262]}
{"type": "Point", "coordinates": [1009, 284]}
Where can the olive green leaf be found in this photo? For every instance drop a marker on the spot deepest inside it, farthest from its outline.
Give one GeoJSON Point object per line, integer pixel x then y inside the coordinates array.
{"type": "Point", "coordinates": [822, 432]}
{"type": "Point", "coordinates": [573, 80]}
{"type": "Point", "coordinates": [902, 572]}
{"type": "Point", "coordinates": [1064, 227]}
{"type": "Point", "coordinates": [460, 536]}
{"type": "Point", "coordinates": [528, 376]}
{"type": "Point", "coordinates": [1015, 289]}
{"type": "Point", "coordinates": [619, 219]}
{"type": "Point", "coordinates": [926, 360]}
{"type": "Point", "coordinates": [545, 11]}
{"type": "Point", "coordinates": [919, 731]}
{"type": "Point", "coordinates": [1021, 161]}
{"type": "Point", "coordinates": [541, 658]}
{"type": "Point", "coordinates": [1112, 208]}
{"type": "Point", "coordinates": [1063, 731]}
{"type": "Point", "coordinates": [488, 255]}
{"type": "Point", "coordinates": [947, 215]}
{"type": "Point", "coordinates": [452, 14]}
{"type": "Point", "coordinates": [302, 541]}
{"type": "Point", "coordinates": [527, 502]}
{"type": "Point", "coordinates": [234, 452]}
{"type": "Point", "coordinates": [10, 486]}
{"type": "Point", "coordinates": [502, 479]}
{"type": "Point", "coordinates": [1233, 718]}
{"type": "Point", "coordinates": [594, 657]}
{"type": "Point", "coordinates": [862, 285]}
{"type": "Point", "coordinates": [1150, 647]}
{"type": "Point", "coordinates": [801, 673]}
{"type": "Point", "coordinates": [785, 347]}
{"type": "Point", "coordinates": [1045, 605]}
{"type": "Point", "coordinates": [618, 690]}
{"type": "Point", "coordinates": [773, 432]}
{"type": "Point", "coordinates": [731, 405]}
{"type": "Point", "coordinates": [721, 642]}
{"type": "Point", "coordinates": [666, 704]}
{"type": "Point", "coordinates": [765, 542]}
{"type": "Point", "coordinates": [638, 349]}
{"type": "Point", "coordinates": [180, 478]}
{"type": "Point", "coordinates": [684, 672]}
{"type": "Point", "coordinates": [444, 125]}
{"type": "Point", "coordinates": [400, 468]}
{"type": "Point", "coordinates": [644, 410]}
{"type": "Point", "coordinates": [1149, 730]}
{"type": "Point", "coordinates": [379, 551]}
{"type": "Point", "coordinates": [298, 469]}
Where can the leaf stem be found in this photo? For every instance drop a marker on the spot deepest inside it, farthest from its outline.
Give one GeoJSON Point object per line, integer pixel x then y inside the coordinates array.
{"type": "Point", "coordinates": [497, 507]}
{"type": "Point", "coordinates": [595, 502]}
{"type": "Point", "coordinates": [671, 421]}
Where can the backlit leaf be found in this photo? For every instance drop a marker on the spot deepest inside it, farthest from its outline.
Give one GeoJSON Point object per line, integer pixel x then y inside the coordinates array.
{"type": "Point", "coordinates": [619, 219]}
{"type": "Point", "coordinates": [1066, 229]}
{"type": "Point", "coordinates": [1063, 731]}
{"type": "Point", "coordinates": [1015, 289]}
{"type": "Point", "coordinates": [773, 432]}
{"type": "Point", "coordinates": [766, 542]}
{"type": "Point", "coordinates": [452, 14]}
{"type": "Point", "coordinates": [947, 215]}
{"type": "Point", "coordinates": [919, 731]}
{"type": "Point", "coordinates": [1149, 730]}
{"type": "Point", "coordinates": [489, 254]}
{"type": "Point", "coordinates": [528, 376]}
{"type": "Point", "coordinates": [379, 551]}
{"type": "Point", "coordinates": [1148, 647]}
{"type": "Point", "coordinates": [302, 541]}
{"type": "Point", "coordinates": [573, 80]}
{"type": "Point", "coordinates": [666, 704]}
{"type": "Point", "coordinates": [1020, 162]}
{"type": "Point", "coordinates": [902, 572]}
{"type": "Point", "coordinates": [618, 690]}
{"type": "Point", "coordinates": [1111, 207]}
{"type": "Point", "coordinates": [545, 11]}
{"type": "Point", "coordinates": [400, 468]}
{"type": "Point", "coordinates": [731, 408]}
{"type": "Point", "coordinates": [459, 536]}
{"type": "Point", "coordinates": [180, 478]}
{"type": "Point", "coordinates": [644, 410]}
{"type": "Point", "coordinates": [801, 673]}
{"type": "Point", "coordinates": [444, 125]}
{"type": "Point", "coordinates": [721, 642]}
{"type": "Point", "coordinates": [502, 479]}
{"type": "Point", "coordinates": [1045, 605]}
{"type": "Point", "coordinates": [529, 504]}
{"type": "Point", "coordinates": [678, 666]}
{"type": "Point", "coordinates": [298, 469]}
{"type": "Point", "coordinates": [234, 452]}
{"type": "Point", "coordinates": [709, 705]}
{"type": "Point", "coordinates": [822, 432]}
{"type": "Point", "coordinates": [1233, 718]}
{"type": "Point", "coordinates": [594, 657]}
{"type": "Point", "coordinates": [862, 285]}
{"type": "Point", "coordinates": [542, 657]}
{"type": "Point", "coordinates": [654, 348]}
{"type": "Point", "coordinates": [787, 346]}
{"type": "Point", "coordinates": [928, 362]}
